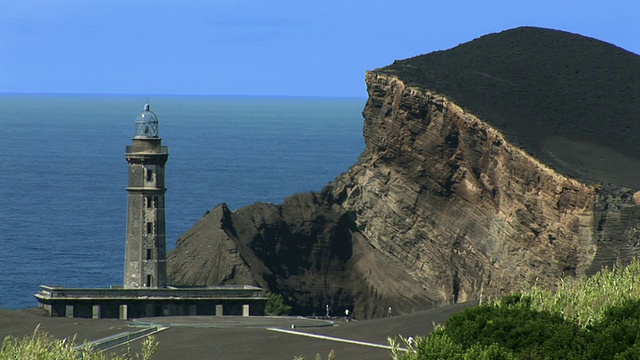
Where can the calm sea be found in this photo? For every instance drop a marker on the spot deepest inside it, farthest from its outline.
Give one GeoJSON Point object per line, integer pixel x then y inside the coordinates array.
{"type": "Point", "coordinates": [63, 172]}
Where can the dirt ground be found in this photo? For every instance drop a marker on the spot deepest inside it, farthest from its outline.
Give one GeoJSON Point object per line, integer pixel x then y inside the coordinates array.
{"type": "Point", "coordinates": [212, 339]}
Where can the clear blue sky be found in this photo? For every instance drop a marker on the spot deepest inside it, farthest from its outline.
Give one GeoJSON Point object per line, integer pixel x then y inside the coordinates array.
{"type": "Point", "coordinates": [237, 47]}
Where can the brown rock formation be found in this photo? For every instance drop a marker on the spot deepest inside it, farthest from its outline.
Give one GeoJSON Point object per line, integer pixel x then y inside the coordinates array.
{"type": "Point", "coordinates": [442, 207]}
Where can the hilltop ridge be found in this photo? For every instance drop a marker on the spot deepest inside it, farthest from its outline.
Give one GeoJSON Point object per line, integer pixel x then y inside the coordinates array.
{"type": "Point", "coordinates": [570, 100]}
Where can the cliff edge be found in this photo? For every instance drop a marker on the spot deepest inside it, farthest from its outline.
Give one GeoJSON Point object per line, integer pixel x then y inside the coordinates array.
{"type": "Point", "coordinates": [501, 162]}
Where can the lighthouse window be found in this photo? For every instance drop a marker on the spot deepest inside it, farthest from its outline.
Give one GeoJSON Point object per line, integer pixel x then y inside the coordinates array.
{"type": "Point", "coordinates": [149, 174]}
{"type": "Point", "coordinates": [151, 202]}
{"type": "Point", "coordinates": [148, 283]}
{"type": "Point", "coordinates": [148, 254]}
{"type": "Point", "coordinates": [149, 228]}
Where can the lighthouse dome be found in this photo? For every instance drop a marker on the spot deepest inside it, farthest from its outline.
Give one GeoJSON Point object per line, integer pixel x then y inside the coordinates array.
{"type": "Point", "coordinates": [146, 124]}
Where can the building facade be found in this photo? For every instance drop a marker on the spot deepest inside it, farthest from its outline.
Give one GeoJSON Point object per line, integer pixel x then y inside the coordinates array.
{"type": "Point", "coordinates": [123, 303]}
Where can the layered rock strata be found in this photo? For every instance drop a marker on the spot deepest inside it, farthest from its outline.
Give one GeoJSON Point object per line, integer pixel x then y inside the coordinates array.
{"type": "Point", "coordinates": [440, 208]}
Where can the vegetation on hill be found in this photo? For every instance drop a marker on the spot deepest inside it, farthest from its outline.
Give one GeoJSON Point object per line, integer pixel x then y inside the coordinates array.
{"type": "Point", "coordinates": [590, 318]}
{"type": "Point", "coordinates": [533, 83]}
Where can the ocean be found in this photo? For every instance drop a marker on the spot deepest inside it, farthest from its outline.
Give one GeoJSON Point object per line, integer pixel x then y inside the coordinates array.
{"type": "Point", "coordinates": [64, 173]}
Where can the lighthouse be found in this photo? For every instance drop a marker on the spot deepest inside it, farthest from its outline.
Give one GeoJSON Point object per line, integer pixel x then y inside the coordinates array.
{"type": "Point", "coordinates": [145, 249]}
{"type": "Point", "coordinates": [145, 292]}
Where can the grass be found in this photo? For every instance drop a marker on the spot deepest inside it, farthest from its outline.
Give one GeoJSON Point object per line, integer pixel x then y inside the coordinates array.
{"type": "Point", "coordinates": [41, 346]}
{"type": "Point", "coordinates": [588, 318]}
{"type": "Point", "coordinates": [584, 301]}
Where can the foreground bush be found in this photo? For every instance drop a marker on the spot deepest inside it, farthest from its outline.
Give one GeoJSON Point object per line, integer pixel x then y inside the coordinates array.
{"type": "Point", "coordinates": [617, 333]}
{"type": "Point", "coordinates": [508, 331]}
{"type": "Point", "coordinates": [524, 332]}
{"type": "Point", "coordinates": [41, 346]}
{"type": "Point", "coordinates": [440, 346]}
{"type": "Point", "coordinates": [593, 318]}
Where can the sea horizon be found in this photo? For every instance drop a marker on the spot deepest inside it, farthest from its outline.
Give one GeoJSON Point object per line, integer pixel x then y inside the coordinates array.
{"type": "Point", "coordinates": [151, 95]}
{"type": "Point", "coordinates": [64, 172]}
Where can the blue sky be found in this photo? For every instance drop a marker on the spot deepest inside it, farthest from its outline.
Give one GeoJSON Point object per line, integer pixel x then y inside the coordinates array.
{"type": "Point", "coordinates": [251, 47]}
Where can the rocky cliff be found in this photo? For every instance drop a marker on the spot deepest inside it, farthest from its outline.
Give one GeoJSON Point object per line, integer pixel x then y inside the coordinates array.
{"type": "Point", "coordinates": [464, 189]}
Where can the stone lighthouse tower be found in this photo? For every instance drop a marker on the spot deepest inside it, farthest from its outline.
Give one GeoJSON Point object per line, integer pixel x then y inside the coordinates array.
{"type": "Point", "coordinates": [145, 253]}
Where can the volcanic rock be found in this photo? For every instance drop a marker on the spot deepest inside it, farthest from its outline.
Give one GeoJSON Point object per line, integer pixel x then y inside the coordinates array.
{"type": "Point", "coordinates": [503, 162]}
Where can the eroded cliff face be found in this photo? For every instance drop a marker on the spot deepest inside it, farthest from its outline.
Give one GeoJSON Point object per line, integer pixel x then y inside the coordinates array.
{"type": "Point", "coordinates": [450, 196]}
{"type": "Point", "coordinates": [440, 208]}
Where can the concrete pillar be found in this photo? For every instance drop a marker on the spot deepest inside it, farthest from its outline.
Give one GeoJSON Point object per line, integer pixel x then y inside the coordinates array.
{"type": "Point", "coordinates": [245, 310]}
{"type": "Point", "coordinates": [219, 310]}
{"type": "Point", "coordinates": [69, 311]}
{"type": "Point", "coordinates": [193, 309]}
{"type": "Point", "coordinates": [148, 310]}
{"type": "Point", "coordinates": [123, 312]}
{"type": "Point", "coordinates": [166, 309]}
{"type": "Point", "coordinates": [95, 312]}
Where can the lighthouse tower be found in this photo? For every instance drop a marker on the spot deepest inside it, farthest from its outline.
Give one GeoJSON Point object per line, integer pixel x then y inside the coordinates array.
{"type": "Point", "coordinates": [145, 292]}
{"type": "Point", "coordinates": [145, 253]}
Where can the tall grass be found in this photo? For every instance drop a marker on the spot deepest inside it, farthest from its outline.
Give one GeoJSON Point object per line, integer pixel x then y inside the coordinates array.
{"type": "Point", "coordinates": [41, 346]}
{"type": "Point", "coordinates": [584, 300]}
{"type": "Point", "coordinates": [582, 318]}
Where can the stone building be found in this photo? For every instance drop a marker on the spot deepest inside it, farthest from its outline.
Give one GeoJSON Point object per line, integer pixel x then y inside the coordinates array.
{"type": "Point", "coordinates": [145, 291]}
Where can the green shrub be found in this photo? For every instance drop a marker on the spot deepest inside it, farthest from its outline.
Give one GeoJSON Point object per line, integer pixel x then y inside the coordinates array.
{"type": "Point", "coordinates": [516, 299]}
{"type": "Point", "coordinates": [617, 333]}
{"type": "Point", "coordinates": [491, 352]}
{"type": "Point", "coordinates": [632, 353]}
{"type": "Point", "coordinates": [584, 300]}
{"type": "Point", "coordinates": [629, 310]}
{"type": "Point", "coordinates": [587, 318]}
{"type": "Point", "coordinates": [439, 346]}
{"type": "Point", "coordinates": [517, 328]}
{"type": "Point", "coordinates": [276, 306]}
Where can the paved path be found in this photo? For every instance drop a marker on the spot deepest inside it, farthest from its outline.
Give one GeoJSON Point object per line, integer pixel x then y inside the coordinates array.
{"type": "Point", "coordinates": [260, 322]}
{"type": "Point", "coordinates": [209, 339]}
